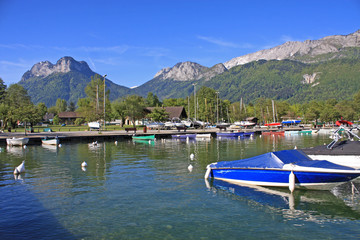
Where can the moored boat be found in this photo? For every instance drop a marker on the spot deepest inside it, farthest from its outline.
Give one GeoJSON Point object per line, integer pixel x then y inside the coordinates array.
{"type": "Point", "coordinates": [183, 136]}
{"type": "Point", "coordinates": [17, 141]}
{"type": "Point", "coordinates": [345, 152]}
{"type": "Point", "coordinates": [50, 141]}
{"type": "Point", "coordinates": [203, 136]}
{"type": "Point", "coordinates": [144, 137]}
{"type": "Point", "coordinates": [229, 134]}
{"type": "Point", "coordinates": [287, 168]}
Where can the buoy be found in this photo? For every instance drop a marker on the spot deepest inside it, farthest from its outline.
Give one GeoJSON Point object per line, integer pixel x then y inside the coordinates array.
{"type": "Point", "coordinates": [84, 164]}
{"type": "Point", "coordinates": [295, 147]}
{"type": "Point", "coordinates": [192, 156]}
{"type": "Point", "coordinates": [24, 147]}
{"type": "Point", "coordinates": [190, 168]}
{"type": "Point", "coordinates": [116, 142]}
{"type": "Point", "coordinates": [60, 145]}
{"type": "Point", "coordinates": [149, 141]}
{"type": "Point", "coordinates": [21, 168]}
{"type": "Point", "coordinates": [83, 169]}
{"type": "Point", "coordinates": [292, 181]}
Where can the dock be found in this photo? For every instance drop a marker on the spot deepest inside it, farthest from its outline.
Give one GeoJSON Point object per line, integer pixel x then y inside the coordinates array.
{"type": "Point", "coordinates": [92, 136]}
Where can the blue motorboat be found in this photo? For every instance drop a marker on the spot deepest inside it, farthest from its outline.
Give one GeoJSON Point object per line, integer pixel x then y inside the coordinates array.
{"type": "Point", "coordinates": [183, 136]}
{"type": "Point", "coordinates": [287, 168]}
{"type": "Point", "coordinates": [229, 134]}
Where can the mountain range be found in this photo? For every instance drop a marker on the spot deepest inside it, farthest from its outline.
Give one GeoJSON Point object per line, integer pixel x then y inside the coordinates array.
{"type": "Point", "coordinates": [294, 71]}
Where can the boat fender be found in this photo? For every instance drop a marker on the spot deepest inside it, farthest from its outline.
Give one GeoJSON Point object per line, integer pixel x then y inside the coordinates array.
{"type": "Point", "coordinates": [295, 147]}
{"type": "Point", "coordinates": [84, 164]}
{"type": "Point", "coordinates": [192, 156]}
{"type": "Point", "coordinates": [292, 181]}
{"type": "Point", "coordinates": [208, 170]}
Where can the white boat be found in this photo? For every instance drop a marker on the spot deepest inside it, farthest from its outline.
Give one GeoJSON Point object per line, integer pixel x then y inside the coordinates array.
{"type": "Point", "coordinates": [50, 141]}
{"type": "Point", "coordinates": [17, 141]}
{"type": "Point", "coordinates": [244, 123]}
{"type": "Point", "coordinates": [203, 136]}
{"type": "Point", "coordinates": [346, 153]}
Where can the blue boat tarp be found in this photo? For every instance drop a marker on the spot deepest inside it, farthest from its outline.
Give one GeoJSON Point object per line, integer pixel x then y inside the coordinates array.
{"type": "Point", "coordinates": [291, 122]}
{"type": "Point", "coordinates": [277, 160]}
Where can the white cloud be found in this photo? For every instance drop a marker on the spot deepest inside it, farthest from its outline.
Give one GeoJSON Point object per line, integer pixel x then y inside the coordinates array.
{"type": "Point", "coordinates": [223, 43]}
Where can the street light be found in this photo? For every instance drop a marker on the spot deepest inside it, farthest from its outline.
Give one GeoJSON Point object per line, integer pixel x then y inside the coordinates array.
{"type": "Point", "coordinates": [217, 107]}
{"type": "Point", "coordinates": [104, 102]}
{"type": "Point", "coordinates": [194, 99]}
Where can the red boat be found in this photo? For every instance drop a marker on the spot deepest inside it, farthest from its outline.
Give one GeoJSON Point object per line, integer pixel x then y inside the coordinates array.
{"type": "Point", "coordinates": [272, 124]}
{"type": "Point", "coordinates": [343, 122]}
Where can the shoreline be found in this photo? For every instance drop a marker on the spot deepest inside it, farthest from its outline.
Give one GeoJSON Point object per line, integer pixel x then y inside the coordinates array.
{"type": "Point", "coordinates": [91, 136]}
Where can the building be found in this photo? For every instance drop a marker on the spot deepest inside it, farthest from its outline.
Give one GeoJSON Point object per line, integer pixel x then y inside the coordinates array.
{"type": "Point", "coordinates": [69, 117]}
{"type": "Point", "coordinates": [174, 112]}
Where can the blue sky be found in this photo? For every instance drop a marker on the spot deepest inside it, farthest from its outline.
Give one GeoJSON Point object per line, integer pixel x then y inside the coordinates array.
{"type": "Point", "coordinates": [131, 41]}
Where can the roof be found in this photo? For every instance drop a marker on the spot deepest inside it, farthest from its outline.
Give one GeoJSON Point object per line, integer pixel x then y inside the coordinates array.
{"type": "Point", "coordinates": [69, 115]}
{"type": "Point", "coordinates": [174, 112]}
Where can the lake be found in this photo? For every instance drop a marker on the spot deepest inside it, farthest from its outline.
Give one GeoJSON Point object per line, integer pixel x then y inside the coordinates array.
{"type": "Point", "coordinates": [142, 190]}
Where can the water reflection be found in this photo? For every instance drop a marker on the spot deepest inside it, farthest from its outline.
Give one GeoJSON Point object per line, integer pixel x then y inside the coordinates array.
{"type": "Point", "coordinates": [314, 206]}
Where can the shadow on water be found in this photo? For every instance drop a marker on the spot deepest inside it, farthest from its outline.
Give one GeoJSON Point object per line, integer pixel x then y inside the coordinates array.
{"type": "Point", "coordinates": [24, 217]}
{"type": "Point", "coordinates": [314, 205]}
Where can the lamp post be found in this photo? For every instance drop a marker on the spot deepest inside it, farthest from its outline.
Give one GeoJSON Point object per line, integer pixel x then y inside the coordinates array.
{"type": "Point", "coordinates": [104, 103]}
{"type": "Point", "coordinates": [194, 99]}
{"type": "Point", "coordinates": [217, 107]}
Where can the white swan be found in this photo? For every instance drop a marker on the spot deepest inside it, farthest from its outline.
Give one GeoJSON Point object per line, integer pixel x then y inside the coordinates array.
{"type": "Point", "coordinates": [190, 168]}
{"type": "Point", "coordinates": [21, 168]}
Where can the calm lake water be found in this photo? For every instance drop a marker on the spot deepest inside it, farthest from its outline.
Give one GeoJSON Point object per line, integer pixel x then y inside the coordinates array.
{"type": "Point", "coordinates": [145, 191]}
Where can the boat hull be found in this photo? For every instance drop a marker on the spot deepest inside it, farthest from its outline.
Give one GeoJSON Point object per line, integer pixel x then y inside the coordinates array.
{"type": "Point", "coordinates": [54, 141]}
{"type": "Point", "coordinates": [148, 137]}
{"type": "Point", "coordinates": [184, 136]}
{"type": "Point", "coordinates": [17, 141]}
{"type": "Point", "coordinates": [229, 134]}
{"type": "Point", "coordinates": [280, 178]}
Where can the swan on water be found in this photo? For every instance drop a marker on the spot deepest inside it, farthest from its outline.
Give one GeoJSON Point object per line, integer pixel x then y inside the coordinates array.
{"type": "Point", "coordinates": [21, 168]}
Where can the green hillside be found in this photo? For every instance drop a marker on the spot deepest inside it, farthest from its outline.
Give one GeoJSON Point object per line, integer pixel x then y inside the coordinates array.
{"type": "Point", "coordinates": [69, 86]}
{"type": "Point", "coordinates": [283, 80]}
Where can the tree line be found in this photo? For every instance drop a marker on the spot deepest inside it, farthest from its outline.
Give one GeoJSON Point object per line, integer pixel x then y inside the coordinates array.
{"type": "Point", "coordinates": [204, 104]}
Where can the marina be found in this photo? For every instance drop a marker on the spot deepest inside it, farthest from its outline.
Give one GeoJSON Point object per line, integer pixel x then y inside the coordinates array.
{"type": "Point", "coordinates": [129, 190]}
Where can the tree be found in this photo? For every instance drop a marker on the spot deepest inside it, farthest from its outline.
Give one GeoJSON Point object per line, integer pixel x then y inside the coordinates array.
{"type": "Point", "coordinates": [56, 120]}
{"type": "Point", "coordinates": [71, 107]}
{"type": "Point", "coordinates": [42, 109]}
{"type": "Point", "coordinates": [61, 105]}
{"type": "Point", "coordinates": [152, 100]}
{"type": "Point", "coordinates": [2, 90]}
{"type": "Point", "coordinates": [92, 107]}
{"type": "Point", "coordinates": [118, 109]}
{"type": "Point", "coordinates": [19, 104]}
{"type": "Point", "coordinates": [134, 107]}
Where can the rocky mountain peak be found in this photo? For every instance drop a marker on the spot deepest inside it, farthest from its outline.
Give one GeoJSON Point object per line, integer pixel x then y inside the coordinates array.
{"type": "Point", "coordinates": [295, 49]}
{"type": "Point", "coordinates": [63, 65]}
{"type": "Point", "coordinates": [189, 71]}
